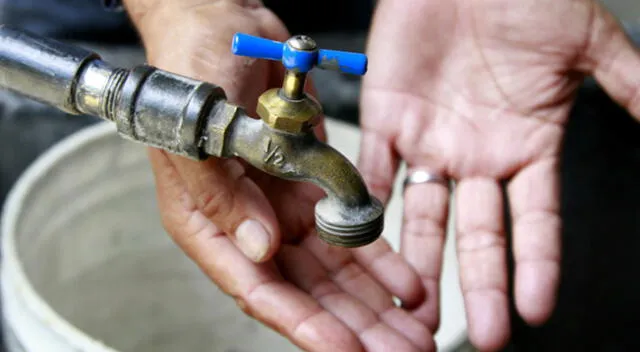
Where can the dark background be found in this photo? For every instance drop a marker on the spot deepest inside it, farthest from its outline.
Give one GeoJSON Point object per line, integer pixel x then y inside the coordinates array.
{"type": "Point", "coordinates": [599, 299]}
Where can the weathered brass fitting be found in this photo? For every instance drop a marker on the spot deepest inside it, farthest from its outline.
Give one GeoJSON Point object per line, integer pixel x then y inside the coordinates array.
{"type": "Point", "coordinates": [284, 145]}
{"type": "Point", "coordinates": [289, 108]}
{"type": "Point", "coordinates": [284, 114]}
{"type": "Point", "coordinates": [194, 119]}
{"type": "Point", "coordinates": [349, 216]}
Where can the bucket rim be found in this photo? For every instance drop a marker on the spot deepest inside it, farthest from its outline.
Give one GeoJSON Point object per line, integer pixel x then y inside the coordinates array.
{"type": "Point", "coordinates": [11, 212]}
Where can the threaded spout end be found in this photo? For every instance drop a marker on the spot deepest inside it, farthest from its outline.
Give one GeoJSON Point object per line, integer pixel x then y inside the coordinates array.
{"type": "Point", "coordinates": [349, 227]}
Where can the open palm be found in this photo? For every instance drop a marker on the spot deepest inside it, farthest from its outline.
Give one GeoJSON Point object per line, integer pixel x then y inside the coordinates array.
{"type": "Point", "coordinates": [480, 91]}
{"type": "Point", "coordinates": [322, 298]}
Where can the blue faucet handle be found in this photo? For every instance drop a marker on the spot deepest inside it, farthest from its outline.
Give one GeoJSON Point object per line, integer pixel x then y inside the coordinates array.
{"type": "Point", "coordinates": [256, 47]}
{"type": "Point", "coordinates": [300, 53]}
{"type": "Point", "coordinates": [347, 62]}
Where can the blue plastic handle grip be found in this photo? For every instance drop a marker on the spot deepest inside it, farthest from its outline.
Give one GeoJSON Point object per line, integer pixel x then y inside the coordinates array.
{"type": "Point", "coordinates": [261, 48]}
{"type": "Point", "coordinates": [353, 63]}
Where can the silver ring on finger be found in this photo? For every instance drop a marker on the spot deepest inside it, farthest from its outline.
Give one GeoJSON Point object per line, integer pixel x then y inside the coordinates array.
{"type": "Point", "coordinates": [423, 176]}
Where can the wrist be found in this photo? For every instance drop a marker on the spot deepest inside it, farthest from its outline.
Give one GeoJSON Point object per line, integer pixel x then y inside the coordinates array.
{"type": "Point", "coordinates": [140, 11]}
{"type": "Point", "coordinates": [153, 18]}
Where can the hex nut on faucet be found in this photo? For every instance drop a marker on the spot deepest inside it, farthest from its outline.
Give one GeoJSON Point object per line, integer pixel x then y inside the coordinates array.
{"type": "Point", "coordinates": [218, 128]}
{"type": "Point", "coordinates": [293, 116]}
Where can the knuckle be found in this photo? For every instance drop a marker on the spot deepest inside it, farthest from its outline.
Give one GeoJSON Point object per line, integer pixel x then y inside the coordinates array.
{"type": "Point", "coordinates": [168, 225]}
{"type": "Point", "coordinates": [233, 169]}
{"type": "Point", "coordinates": [480, 241]}
{"type": "Point", "coordinates": [244, 307]}
{"type": "Point", "coordinates": [216, 204]}
{"type": "Point", "coordinates": [348, 273]}
{"type": "Point", "coordinates": [169, 219]}
{"type": "Point", "coordinates": [423, 227]}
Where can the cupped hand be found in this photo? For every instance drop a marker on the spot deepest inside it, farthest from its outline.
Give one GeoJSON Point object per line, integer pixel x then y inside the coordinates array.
{"type": "Point", "coordinates": [480, 91]}
{"type": "Point", "coordinates": [253, 234]}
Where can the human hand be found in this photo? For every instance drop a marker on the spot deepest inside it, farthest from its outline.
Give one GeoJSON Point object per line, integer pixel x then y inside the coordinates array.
{"type": "Point", "coordinates": [231, 218]}
{"type": "Point", "coordinates": [480, 91]}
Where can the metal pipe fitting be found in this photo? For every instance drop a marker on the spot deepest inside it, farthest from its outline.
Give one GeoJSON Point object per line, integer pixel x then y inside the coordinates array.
{"type": "Point", "coordinates": [193, 119]}
{"type": "Point", "coordinates": [348, 216]}
{"type": "Point", "coordinates": [150, 106]}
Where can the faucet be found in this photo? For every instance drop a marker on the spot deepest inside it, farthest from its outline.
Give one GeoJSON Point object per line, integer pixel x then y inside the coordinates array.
{"type": "Point", "coordinates": [193, 119]}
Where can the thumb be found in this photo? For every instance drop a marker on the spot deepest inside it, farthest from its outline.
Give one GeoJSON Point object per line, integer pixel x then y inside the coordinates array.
{"type": "Point", "coordinates": [614, 61]}
{"type": "Point", "coordinates": [217, 190]}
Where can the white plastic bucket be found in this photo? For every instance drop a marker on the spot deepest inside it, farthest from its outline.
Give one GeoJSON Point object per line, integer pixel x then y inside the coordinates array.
{"type": "Point", "coordinates": [86, 265]}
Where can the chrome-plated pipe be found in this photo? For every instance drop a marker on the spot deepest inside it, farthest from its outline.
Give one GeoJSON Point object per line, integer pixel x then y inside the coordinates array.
{"type": "Point", "coordinates": [148, 105]}
{"type": "Point", "coordinates": [42, 69]}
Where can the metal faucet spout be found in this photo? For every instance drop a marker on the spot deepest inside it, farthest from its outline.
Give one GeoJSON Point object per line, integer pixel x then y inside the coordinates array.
{"type": "Point", "coordinates": [348, 216]}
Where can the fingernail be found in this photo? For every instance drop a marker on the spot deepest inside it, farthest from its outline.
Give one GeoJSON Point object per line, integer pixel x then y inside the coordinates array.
{"type": "Point", "coordinates": [253, 240]}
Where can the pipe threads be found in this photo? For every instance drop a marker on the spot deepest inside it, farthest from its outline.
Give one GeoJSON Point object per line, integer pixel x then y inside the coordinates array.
{"type": "Point", "coordinates": [112, 92]}
{"type": "Point", "coordinates": [355, 235]}
{"type": "Point", "coordinates": [349, 226]}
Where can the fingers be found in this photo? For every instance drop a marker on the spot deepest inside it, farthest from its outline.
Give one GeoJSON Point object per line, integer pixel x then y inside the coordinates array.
{"type": "Point", "coordinates": [377, 163]}
{"type": "Point", "coordinates": [482, 259]}
{"type": "Point", "coordinates": [303, 269]}
{"type": "Point", "coordinates": [222, 194]}
{"type": "Point", "coordinates": [345, 270]}
{"type": "Point", "coordinates": [534, 197]}
{"type": "Point", "coordinates": [349, 275]}
{"type": "Point", "coordinates": [423, 237]}
{"type": "Point", "coordinates": [613, 59]}
{"type": "Point", "coordinates": [259, 291]}
{"type": "Point", "coordinates": [388, 268]}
